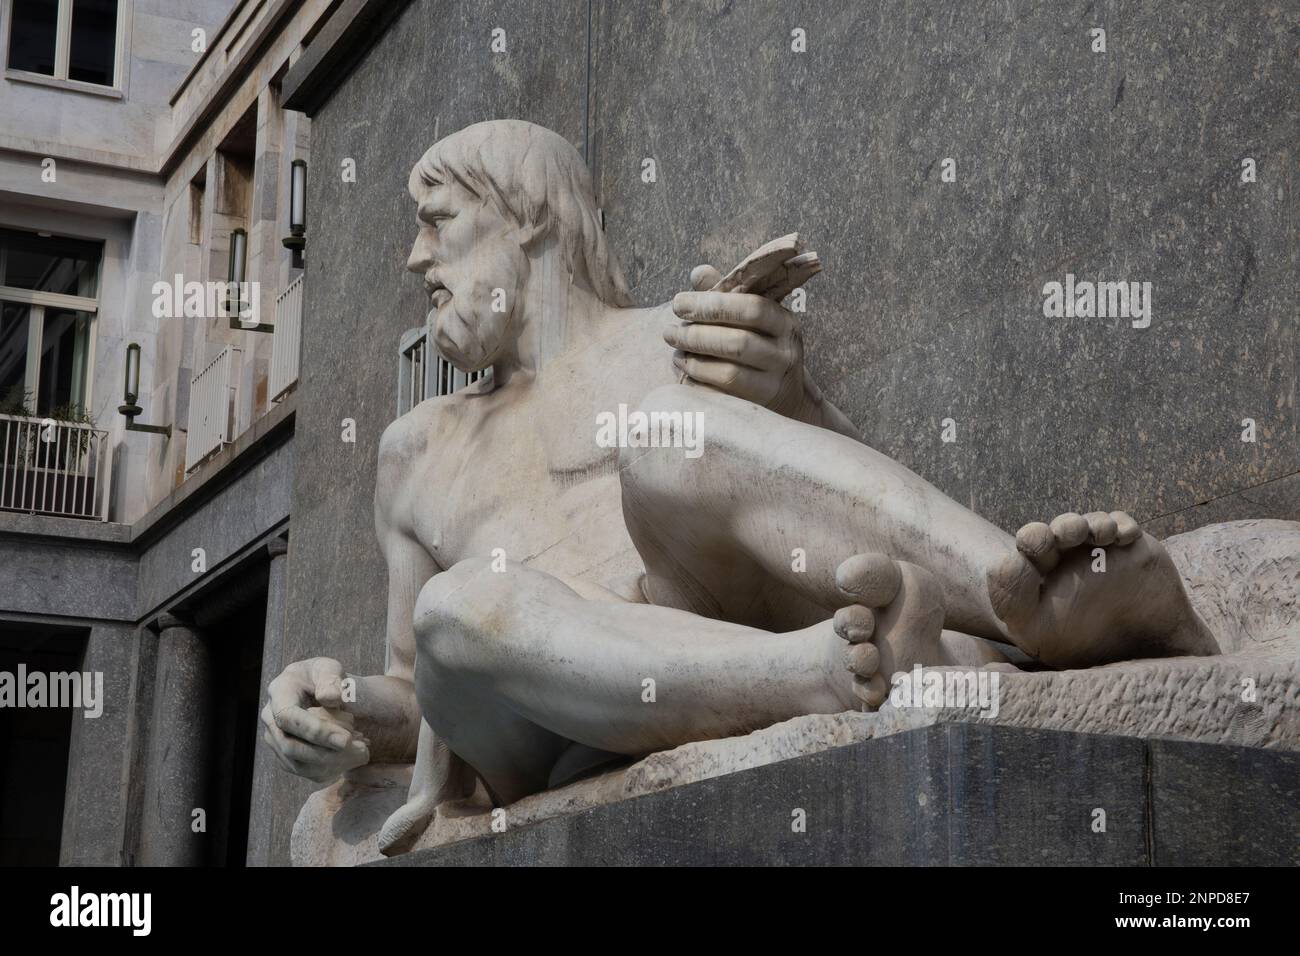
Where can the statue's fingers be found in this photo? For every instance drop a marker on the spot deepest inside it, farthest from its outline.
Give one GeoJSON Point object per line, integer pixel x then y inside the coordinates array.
{"type": "Point", "coordinates": [704, 277]}
{"type": "Point", "coordinates": [329, 764]}
{"type": "Point", "coordinates": [741, 346]}
{"type": "Point", "coordinates": [327, 677]}
{"type": "Point", "coordinates": [744, 311]}
{"type": "Point", "coordinates": [296, 722]}
{"type": "Point", "coordinates": [716, 373]}
{"type": "Point", "coordinates": [862, 659]}
{"type": "Point", "coordinates": [286, 752]}
{"type": "Point", "coordinates": [292, 687]}
{"type": "Point", "coordinates": [343, 718]}
{"type": "Point", "coordinates": [320, 764]}
{"type": "Point", "coordinates": [268, 738]}
{"type": "Point", "coordinates": [304, 754]}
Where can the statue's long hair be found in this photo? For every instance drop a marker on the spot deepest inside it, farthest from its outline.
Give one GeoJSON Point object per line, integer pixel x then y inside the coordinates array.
{"type": "Point", "coordinates": [536, 178]}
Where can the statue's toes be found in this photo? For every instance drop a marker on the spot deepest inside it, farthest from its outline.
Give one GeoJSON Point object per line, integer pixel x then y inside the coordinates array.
{"type": "Point", "coordinates": [404, 827]}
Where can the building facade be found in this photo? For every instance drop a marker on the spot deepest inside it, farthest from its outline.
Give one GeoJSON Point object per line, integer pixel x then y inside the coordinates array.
{"type": "Point", "coordinates": [140, 141]}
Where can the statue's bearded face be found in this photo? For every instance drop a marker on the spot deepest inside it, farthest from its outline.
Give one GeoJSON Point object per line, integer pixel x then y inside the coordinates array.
{"type": "Point", "coordinates": [474, 268]}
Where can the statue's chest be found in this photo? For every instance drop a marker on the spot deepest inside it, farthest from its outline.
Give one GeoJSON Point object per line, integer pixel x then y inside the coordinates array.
{"type": "Point", "coordinates": [535, 494]}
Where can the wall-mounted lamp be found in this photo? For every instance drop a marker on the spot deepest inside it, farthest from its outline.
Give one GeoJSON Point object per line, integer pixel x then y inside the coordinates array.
{"type": "Point", "coordinates": [131, 392]}
{"type": "Point", "coordinates": [296, 241]}
{"type": "Point", "coordinates": [237, 272]}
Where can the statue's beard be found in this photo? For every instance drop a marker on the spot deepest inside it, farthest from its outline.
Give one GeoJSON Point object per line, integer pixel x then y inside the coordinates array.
{"type": "Point", "coordinates": [466, 329]}
{"type": "Point", "coordinates": [468, 341]}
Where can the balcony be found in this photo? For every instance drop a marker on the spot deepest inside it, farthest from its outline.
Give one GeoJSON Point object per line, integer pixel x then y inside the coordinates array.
{"type": "Point", "coordinates": [212, 407]}
{"type": "Point", "coordinates": [55, 468]}
{"type": "Point", "coordinates": [422, 373]}
{"type": "Point", "coordinates": [287, 344]}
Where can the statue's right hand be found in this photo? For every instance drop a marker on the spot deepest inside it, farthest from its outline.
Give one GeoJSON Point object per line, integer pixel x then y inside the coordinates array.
{"type": "Point", "coordinates": [305, 727]}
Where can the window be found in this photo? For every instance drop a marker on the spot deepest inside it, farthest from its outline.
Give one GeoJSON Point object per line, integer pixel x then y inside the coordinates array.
{"type": "Point", "coordinates": [48, 286]}
{"type": "Point", "coordinates": [32, 36]}
{"type": "Point", "coordinates": [48, 263]}
{"type": "Point", "coordinates": [66, 39]}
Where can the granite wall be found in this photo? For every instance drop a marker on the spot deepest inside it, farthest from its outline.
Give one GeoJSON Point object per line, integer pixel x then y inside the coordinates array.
{"type": "Point", "coordinates": [1116, 165]}
{"type": "Point", "coordinates": [1123, 165]}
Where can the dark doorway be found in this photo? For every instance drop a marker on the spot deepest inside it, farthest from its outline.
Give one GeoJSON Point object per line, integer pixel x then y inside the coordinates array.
{"type": "Point", "coordinates": [233, 622]}
{"type": "Point", "coordinates": [34, 743]}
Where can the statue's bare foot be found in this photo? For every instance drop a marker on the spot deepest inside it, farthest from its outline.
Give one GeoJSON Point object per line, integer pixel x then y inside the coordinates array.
{"type": "Point", "coordinates": [895, 621]}
{"type": "Point", "coordinates": [1089, 589]}
{"type": "Point", "coordinates": [438, 777]}
{"type": "Point", "coordinates": [407, 824]}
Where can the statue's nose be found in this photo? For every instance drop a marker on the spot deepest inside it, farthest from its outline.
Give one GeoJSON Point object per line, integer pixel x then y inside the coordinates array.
{"type": "Point", "coordinates": [421, 258]}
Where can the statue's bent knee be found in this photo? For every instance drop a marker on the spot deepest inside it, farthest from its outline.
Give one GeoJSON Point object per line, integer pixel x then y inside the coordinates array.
{"type": "Point", "coordinates": [442, 608]}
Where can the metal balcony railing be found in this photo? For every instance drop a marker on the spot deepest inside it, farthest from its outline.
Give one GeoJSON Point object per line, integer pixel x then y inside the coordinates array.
{"type": "Point", "coordinates": [423, 373]}
{"type": "Point", "coordinates": [447, 378]}
{"type": "Point", "coordinates": [212, 407]}
{"type": "Point", "coordinates": [287, 341]}
{"type": "Point", "coordinates": [49, 467]}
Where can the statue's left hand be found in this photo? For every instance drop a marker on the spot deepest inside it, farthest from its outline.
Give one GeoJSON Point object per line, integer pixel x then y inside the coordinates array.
{"type": "Point", "coordinates": [740, 343]}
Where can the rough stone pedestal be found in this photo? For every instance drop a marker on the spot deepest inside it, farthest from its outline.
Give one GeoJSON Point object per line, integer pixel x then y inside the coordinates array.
{"type": "Point", "coordinates": [955, 793]}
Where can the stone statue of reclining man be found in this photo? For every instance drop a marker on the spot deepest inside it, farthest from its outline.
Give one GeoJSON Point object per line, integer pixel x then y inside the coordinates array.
{"type": "Point", "coordinates": [538, 577]}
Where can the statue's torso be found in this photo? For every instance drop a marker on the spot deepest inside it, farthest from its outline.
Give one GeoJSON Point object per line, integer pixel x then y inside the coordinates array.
{"type": "Point", "coordinates": [519, 469]}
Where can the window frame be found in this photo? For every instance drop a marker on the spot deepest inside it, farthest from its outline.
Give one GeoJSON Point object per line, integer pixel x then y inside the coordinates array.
{"type": "Point", "coordinates": [37, 302]}
{"type": "Point", "coordinates": [62, 53]}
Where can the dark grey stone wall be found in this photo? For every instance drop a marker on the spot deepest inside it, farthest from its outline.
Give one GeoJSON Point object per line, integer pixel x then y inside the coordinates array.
{"type": "Point", "coordinates": [89, 580]}
{"type": "Point", "coordinates": [100, 759]}
{"type": "Point", "coordinates": [1122, 165]}
{"type": "Point", "coordinates": [227, 525]}
{"type": "Point", "coordinates": [950, 795]}
{"type": "Point", "coordinates": [1116, 165]}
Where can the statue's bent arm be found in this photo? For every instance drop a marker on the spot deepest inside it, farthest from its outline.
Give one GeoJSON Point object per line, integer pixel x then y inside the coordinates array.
{"type": "Point", "coordinates": [386, 710]}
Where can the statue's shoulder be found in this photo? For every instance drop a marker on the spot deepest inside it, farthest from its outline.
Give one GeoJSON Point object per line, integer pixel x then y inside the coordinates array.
{"type": "Point", "coordinates": [427, 424]}
{"type": "Point", "coordinates": [403, 452]}
{"type": "Point", "coordinates": [406, 438]}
